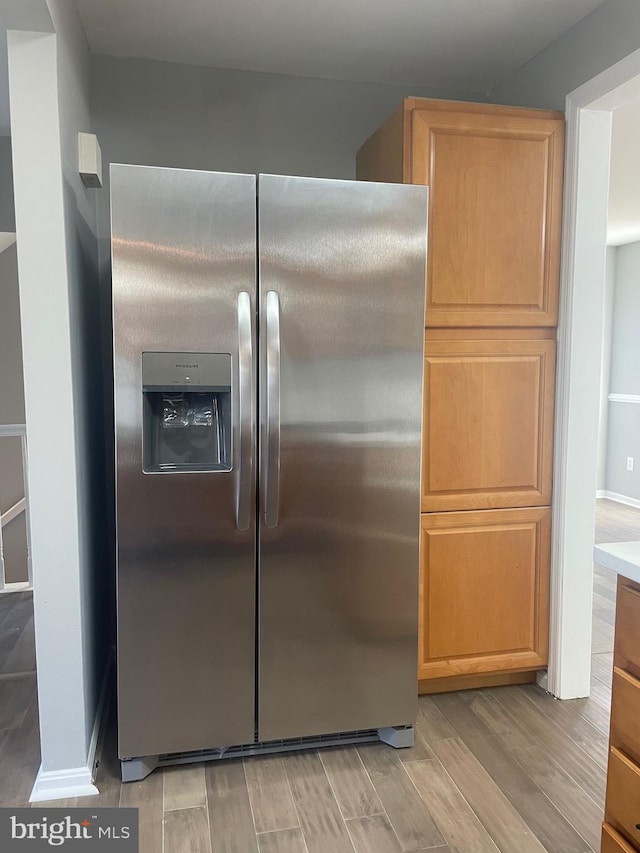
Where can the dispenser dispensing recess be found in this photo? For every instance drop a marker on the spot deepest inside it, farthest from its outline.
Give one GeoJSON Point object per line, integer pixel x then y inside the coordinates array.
{"type": "Point", "coordinates": [186, 412]}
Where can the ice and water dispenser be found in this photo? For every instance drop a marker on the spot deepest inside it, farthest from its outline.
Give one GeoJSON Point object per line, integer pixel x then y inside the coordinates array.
{"type": "Point", "coordinates": [187, 412]}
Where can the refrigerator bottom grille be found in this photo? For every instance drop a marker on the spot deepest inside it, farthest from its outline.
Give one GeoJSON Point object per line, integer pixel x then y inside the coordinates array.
{"type": "Point", "coordinates": [266, 747]}
{"type": "Point", "coordinates": [136, 769]}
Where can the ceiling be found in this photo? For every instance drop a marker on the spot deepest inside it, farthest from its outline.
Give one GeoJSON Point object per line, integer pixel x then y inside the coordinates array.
{"type": "Point", "coordinates": [459, 46]}
{"type": "Point", "coordinates": [624, 183]}
{"type": "Point", "coordinates": [464, 45]}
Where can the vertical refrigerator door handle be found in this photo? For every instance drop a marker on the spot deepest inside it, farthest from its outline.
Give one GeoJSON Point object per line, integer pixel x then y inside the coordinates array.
{"type": "Point", "coordinates": [245, 371]}
{"type": "Point", "coordinates": [272, 451]}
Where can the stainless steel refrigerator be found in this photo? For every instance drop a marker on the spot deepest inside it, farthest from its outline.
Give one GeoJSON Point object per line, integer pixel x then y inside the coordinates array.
{"type": "Point", "coordinates": [268, 347]}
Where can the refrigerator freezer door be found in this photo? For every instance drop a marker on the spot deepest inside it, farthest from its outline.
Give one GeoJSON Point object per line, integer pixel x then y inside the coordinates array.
{"type": "Point", "coordinates": [183, 252]}
{"type": "Point", "coordinates": [339, 567]}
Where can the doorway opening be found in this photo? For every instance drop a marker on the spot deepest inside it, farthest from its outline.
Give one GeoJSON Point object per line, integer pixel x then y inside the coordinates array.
{"type": "Point", "coordinates": [575, 618]}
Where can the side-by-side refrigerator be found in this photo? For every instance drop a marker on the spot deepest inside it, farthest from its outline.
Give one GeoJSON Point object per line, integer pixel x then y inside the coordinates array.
{"type": "Point", "coordinates": [268, 347]}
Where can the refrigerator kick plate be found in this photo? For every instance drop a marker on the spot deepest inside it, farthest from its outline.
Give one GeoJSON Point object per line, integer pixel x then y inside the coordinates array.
{"type": "Point", "coordinates": [136, 769]}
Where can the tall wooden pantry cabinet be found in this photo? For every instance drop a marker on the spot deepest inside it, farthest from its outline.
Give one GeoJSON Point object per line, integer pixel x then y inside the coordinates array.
{"type": "Point", "coordinates": [495, 194]}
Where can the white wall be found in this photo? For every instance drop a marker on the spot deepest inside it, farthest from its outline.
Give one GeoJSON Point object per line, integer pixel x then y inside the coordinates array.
{"type": "Point", "coordinates": [608, 34]}
{"type": "Point", "coordinates": [44, 307]}
{"type": "Point", "coordinates": [624, 179]}
{"type": "Point", "coordinates": [57, 261]}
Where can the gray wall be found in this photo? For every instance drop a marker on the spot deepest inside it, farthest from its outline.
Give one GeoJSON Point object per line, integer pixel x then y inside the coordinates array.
{"type": "Point", "coordinates": [625, 345]}
{"type": "Point", "coordinates": [80, 228]}
{"type": "Point", "coordinates": [193, 117]}
{"type": "Point", "coordinates": [7, 215]}
{"type": "Point", "coordinates": [608, 34]}
{"type": "Point", "coordinates": [167, 114]}
{"type": "Point", "coordinates": [624, 418]}
{"type": "Point", "coordinates": [605, 370]}
{"type": "Point", "coordinates": [11, 385]}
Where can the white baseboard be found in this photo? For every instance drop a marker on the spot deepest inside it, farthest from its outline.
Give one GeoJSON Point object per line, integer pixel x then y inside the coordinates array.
{"type": "Point", "coordinates": [624, 398]}
{"type": "Point", "coordinates": [542, 679]}
{"type": "Point", "coordinates": [621, 499]}
{"type": "Point", "coordinates": [75, 781]}
{"type": "Point", "coordinates": [63, 784]}
{"type": "Point", "coordinates": [18, 586]}
{"type": "Point", "coordinates": [7, 238]}
{"type": "Point", "coordinates": [601, 493]}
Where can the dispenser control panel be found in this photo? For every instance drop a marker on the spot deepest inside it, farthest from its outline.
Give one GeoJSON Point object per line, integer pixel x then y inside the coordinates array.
{"type": "Point", "coordinates": [175, 371]}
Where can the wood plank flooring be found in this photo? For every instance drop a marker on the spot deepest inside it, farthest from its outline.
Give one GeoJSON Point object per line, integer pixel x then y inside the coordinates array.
{"type": "Point", "coordinates": [507, 769]}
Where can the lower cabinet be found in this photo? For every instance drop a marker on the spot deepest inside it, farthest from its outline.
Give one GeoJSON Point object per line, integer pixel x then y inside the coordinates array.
{"type": "Point", "coordinates": [623, 795]}
{"type": "Point", "coordinates": [484, 592]}
{"type": "Point", "coordinates": [614, 843]}
{"type": "Point", "coordinates": [621, 830]}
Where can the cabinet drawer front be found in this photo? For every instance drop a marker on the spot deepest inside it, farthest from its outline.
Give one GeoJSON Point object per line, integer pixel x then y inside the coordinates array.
{"type": "Point", "coordinates": [487, 424]}
{"type": "Point", "coordinates": [627, 643]}
{"type": "Point", "coordinates": [484, 592]}
{"type": "Point", "coordinates": [614, 843]}
{"type": "Point", "coordinates": [622, 808]}
{"type": "Point", "coordinates": [625, 714]}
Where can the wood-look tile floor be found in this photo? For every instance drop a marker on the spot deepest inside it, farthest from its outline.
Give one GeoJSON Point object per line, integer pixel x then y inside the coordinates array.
{"type": "Point", "coordinates": [19, 734]}
{"type": "Point", "coordinates": [508, 769]}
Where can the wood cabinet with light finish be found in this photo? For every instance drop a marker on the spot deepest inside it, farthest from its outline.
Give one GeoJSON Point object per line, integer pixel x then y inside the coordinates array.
{"type": "Point", "coordinates": [487, 423]}
{"type": "Point", "coordinates": [625, 714]}
{"type": "Point", "coordinates": [493, 255]}
{"type": "Point", "coordinates": [614, 843]}
{"type": "Point", "coordinates": [623, 796]}
{"type": "Point", "coordinates": [627, 646]}
{"type": "Point", "coordinates": [495, 196]}
{"type": "Point", "coordinates": [621, 830]}
{"type": "Point", "coordinates": [483, 592]}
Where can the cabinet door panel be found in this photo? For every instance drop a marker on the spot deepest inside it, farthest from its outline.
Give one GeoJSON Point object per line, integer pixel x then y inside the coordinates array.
{"type": "Point", "coordinates": [484, 591]}
{"type": "Point", "coordinates": [494, 216]}
{"type": "Point", "coordinates": [488, 424]}
{"type": "Point", "coordinates": [625, 712]}
{"type": "Point", "coordinates": [622, 809]}
{"type": "Point", "coordinates": [627, 642]}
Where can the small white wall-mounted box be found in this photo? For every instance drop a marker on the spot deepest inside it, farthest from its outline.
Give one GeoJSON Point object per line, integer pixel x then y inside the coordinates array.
{"type": "Point", "coordinates": [89, 160]}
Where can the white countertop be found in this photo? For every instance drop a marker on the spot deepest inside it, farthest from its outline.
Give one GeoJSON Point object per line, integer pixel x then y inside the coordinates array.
{"type": "Point", "coordinates": [623, 558]}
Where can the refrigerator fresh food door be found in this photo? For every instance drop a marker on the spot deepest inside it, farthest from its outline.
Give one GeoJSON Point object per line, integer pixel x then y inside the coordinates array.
{"type": "Point", "coordinates": [184, 289]}
{"type": "Point", "coordinates": [342, 279]}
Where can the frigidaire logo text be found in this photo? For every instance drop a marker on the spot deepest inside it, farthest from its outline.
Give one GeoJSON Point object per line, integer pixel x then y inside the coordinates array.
{"type": "Point", "coordinates": [58, 832]}
{"type": "Point", "coordinates": [187, 365]}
